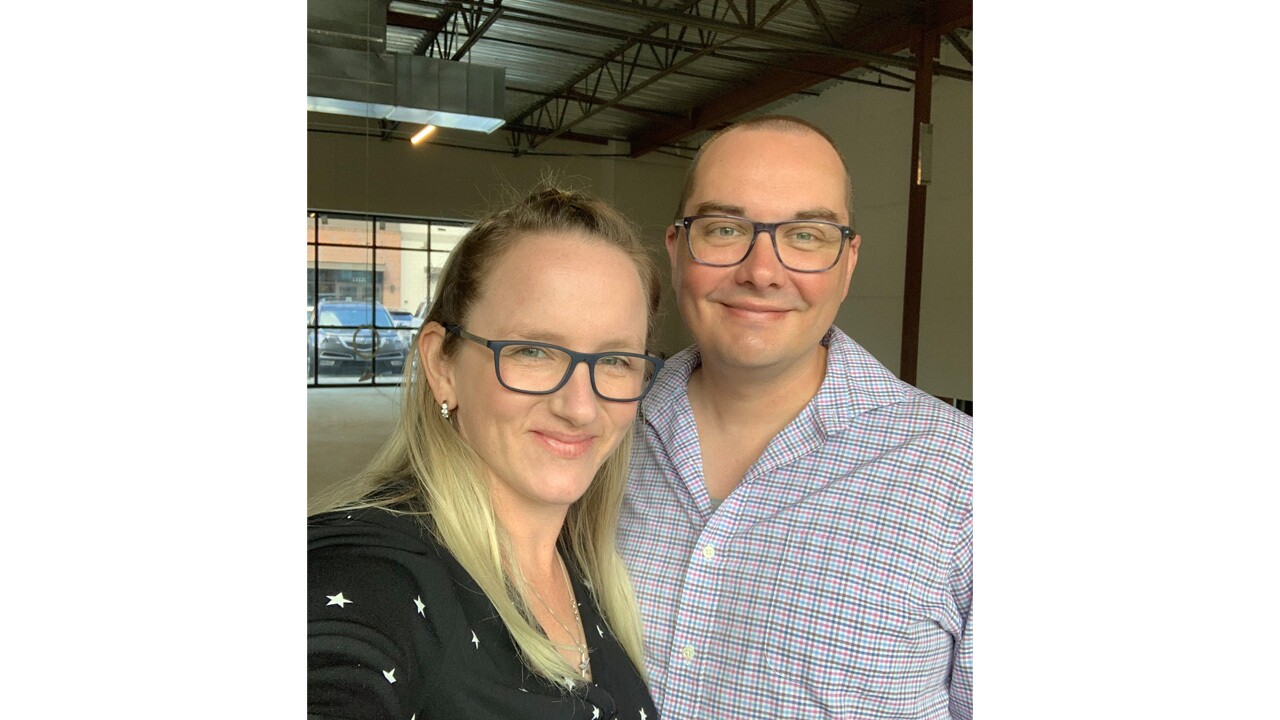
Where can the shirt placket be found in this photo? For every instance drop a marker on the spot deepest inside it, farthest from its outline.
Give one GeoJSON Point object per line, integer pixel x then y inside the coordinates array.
{"type": "Point", "coordinates": [696, 619]}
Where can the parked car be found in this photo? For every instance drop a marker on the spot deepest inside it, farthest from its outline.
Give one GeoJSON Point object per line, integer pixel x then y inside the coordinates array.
{"type": "Point", "coordinates": [352, 336]}
{"type": "Point", "coordinates": [420, 315]}
{"type": "Point", "coordinates": [403, 319]}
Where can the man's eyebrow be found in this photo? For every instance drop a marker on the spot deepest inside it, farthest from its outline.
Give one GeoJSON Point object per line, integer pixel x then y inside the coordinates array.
{"type": "Point", "coordinates": [717, 208]}
{"type": "Point", "coordinates": [818, 214]}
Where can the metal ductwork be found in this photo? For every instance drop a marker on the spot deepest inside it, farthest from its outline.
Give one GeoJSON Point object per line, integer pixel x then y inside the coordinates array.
{"type": "Point", "coordinates": [347, 74]}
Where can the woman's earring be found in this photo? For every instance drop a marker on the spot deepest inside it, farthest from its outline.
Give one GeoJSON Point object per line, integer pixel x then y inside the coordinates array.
{"type": "Point", "coordinates": [444, 411]}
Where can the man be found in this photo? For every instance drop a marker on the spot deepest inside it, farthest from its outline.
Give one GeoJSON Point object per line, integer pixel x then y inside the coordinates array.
{"type": "Point", "coordinates": [798, 522]}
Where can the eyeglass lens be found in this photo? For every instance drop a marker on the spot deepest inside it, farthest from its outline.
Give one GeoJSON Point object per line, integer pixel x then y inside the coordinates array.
{"type": "Point", "coordinates": [534, 368]}
{"type": "Point", "coordinates": [802, 244]}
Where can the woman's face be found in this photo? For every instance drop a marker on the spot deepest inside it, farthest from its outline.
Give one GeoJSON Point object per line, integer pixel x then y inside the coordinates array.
{"type": "Point", "coordinates": [542, 451]}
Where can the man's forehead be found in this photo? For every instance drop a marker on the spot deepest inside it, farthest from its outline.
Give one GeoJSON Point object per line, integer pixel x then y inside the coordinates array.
{"type": "Point", "coordinates": [813, 143]}
{"type": "Point", "coordinates": [785, 150]}
{"type": "Point", "coordinates": [797, 168]}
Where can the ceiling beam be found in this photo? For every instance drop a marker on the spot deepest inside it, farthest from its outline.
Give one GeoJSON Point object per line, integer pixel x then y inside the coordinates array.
{"type": "Point", "coordinates": [596, 58]}
{"type": "Point", "coordinates": [475, 35]}
{"type": "Point", "coordinates": [960, 46]}
{"type": "Point", "coordinates": [775, 39]}
{"type": "Point", "coordinates": [679, 44]}
{"type": "Point", "coordinates": [414, 22]}
{"type": "Point", "coordinates": [553, 110]}
{"type": "Point", "coordinates": [890, 36]}
{"type": "Point", "coordinates": [559, 134]}
{"type": "Point", "coordinates": [654, 115]}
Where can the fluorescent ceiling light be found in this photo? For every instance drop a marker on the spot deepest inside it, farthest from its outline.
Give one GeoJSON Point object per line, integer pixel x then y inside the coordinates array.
{"type": "Point", "coordinates": [422, 134]}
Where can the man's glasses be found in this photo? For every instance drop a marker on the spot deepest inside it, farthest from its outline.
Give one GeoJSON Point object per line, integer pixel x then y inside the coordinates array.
{"type": "Point", "coordinates": [807, 246]}
{"type": "Point", "coordinates": [538, 368]}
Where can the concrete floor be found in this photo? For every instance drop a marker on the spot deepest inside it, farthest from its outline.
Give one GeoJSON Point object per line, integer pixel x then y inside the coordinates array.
{"type": "Point", "coordinates": [345, 427]}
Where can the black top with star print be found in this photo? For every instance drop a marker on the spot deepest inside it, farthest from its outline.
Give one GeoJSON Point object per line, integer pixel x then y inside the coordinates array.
{"type": "Point", "coordinates": [397, 629]}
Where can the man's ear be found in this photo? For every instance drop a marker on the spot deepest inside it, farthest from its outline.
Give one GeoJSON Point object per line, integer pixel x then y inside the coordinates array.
{"type": "Point", "coordinates": [852, 262]}
{"type": "Point", "coordinates": [673, 248]}
{"type": "Point", "coordinates": [436, 364]}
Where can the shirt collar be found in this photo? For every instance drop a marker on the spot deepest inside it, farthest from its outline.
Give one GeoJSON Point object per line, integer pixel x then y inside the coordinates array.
{"type": "Point", "coordinates": [855, 383]}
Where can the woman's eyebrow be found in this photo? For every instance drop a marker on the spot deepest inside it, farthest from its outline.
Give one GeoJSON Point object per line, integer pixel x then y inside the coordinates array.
{"type": "Point", "coordinates": [555, 338]}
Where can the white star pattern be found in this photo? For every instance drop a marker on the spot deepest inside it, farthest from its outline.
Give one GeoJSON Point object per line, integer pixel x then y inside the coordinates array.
{"type": "Point", "coordinates": [390, 675]}
{"type": "Point", "coordinates": [642, 715]}
{"type": "Point", "coordinates": [595, 712]}
{"type": "Point", "coordinates": [599, 631]}
{"type": "Point", "coordinates": [418, 601]}
{"type": "Point", "coordinates": [475, 639]}
{"type": "Point", "coordinates": [338, 600]}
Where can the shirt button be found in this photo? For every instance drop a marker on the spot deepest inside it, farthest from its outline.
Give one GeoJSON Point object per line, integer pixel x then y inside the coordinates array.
{"type": "Point", "coordinates": [687, 652]}
{"type": "Point", "coordinates": [709, 552]}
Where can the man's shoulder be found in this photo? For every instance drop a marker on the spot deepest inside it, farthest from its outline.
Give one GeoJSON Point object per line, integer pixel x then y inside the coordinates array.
{"type": "Point", "coordinates": [873, 394]}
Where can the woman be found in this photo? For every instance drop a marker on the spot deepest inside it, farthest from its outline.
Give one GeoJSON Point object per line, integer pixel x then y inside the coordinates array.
{"type": "Point", "coordinates": [471, 571]}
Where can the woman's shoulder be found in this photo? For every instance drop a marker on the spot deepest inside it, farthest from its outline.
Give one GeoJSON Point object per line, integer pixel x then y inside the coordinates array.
{"type": "Point", "coordinates": [379, 596]}
{"type": "Point", "coordinates": [378, 552]}
{"type": "Point", "coordinates": [368, 527]}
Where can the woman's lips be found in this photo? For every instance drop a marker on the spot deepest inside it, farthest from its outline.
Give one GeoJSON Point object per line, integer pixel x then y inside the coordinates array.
{"type": "Point", "coordinates": [569, 447]}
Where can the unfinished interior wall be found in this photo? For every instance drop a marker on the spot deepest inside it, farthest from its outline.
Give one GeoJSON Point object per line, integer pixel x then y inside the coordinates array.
{"type": "Point", "coordinates": [872, 127]}
{"type": "Point", "coordinates": [349, 173]}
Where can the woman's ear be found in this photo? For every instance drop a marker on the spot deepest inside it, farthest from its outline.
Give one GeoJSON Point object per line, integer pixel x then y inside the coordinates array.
{"type": "Point", "coordinates": [439, 370]}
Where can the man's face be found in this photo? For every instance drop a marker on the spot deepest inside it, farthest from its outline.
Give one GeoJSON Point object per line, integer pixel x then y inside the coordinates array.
{"type": "Point", "coordinates": [760, 315]}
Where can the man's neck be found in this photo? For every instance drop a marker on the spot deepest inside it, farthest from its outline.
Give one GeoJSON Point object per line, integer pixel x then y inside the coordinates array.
{"type": "Point", "coordinates": [735, 397]}
{"type": "Point", "coordinates": [738, 412]}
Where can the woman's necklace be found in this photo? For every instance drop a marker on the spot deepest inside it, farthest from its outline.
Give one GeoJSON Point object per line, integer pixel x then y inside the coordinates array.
{"type": "Point", "coordinates": [584, 662]}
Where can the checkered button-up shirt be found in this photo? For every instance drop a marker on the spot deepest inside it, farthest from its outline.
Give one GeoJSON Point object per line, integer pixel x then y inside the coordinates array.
{"type": "Point", "coordinates": [834, 582]}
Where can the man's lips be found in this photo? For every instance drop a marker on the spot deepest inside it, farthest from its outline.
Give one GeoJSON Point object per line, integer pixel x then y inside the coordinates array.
{"type": "Point", "coordinates": [569, 447]}
{"type": "Point", "coordinates": [754, 310]}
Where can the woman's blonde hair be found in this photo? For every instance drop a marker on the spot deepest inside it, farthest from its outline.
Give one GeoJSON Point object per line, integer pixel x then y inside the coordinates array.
{"type": "Point", "coordinates": [427, 470]}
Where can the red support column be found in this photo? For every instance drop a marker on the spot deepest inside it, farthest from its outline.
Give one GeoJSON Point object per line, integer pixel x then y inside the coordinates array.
{"type": "Point", "coordinates": [926, 48]}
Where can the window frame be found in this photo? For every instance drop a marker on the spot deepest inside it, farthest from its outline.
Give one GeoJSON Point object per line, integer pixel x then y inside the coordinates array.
{"type": "Point", "coordinates": [375, 222]}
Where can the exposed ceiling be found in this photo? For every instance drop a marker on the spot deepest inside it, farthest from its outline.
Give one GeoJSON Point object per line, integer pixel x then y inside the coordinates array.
{"type": "Point", "coordinates": [658, 73]}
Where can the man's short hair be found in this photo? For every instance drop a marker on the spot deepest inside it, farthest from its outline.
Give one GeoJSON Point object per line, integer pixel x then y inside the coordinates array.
{"type": "Point", "coordinates": [782, 123]}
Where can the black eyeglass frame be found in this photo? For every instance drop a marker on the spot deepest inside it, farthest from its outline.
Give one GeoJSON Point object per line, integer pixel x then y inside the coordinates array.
{"type": "Point", "coordinates": [846, 235]}
{"type": "Point", "coordinates": [574, 358]}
